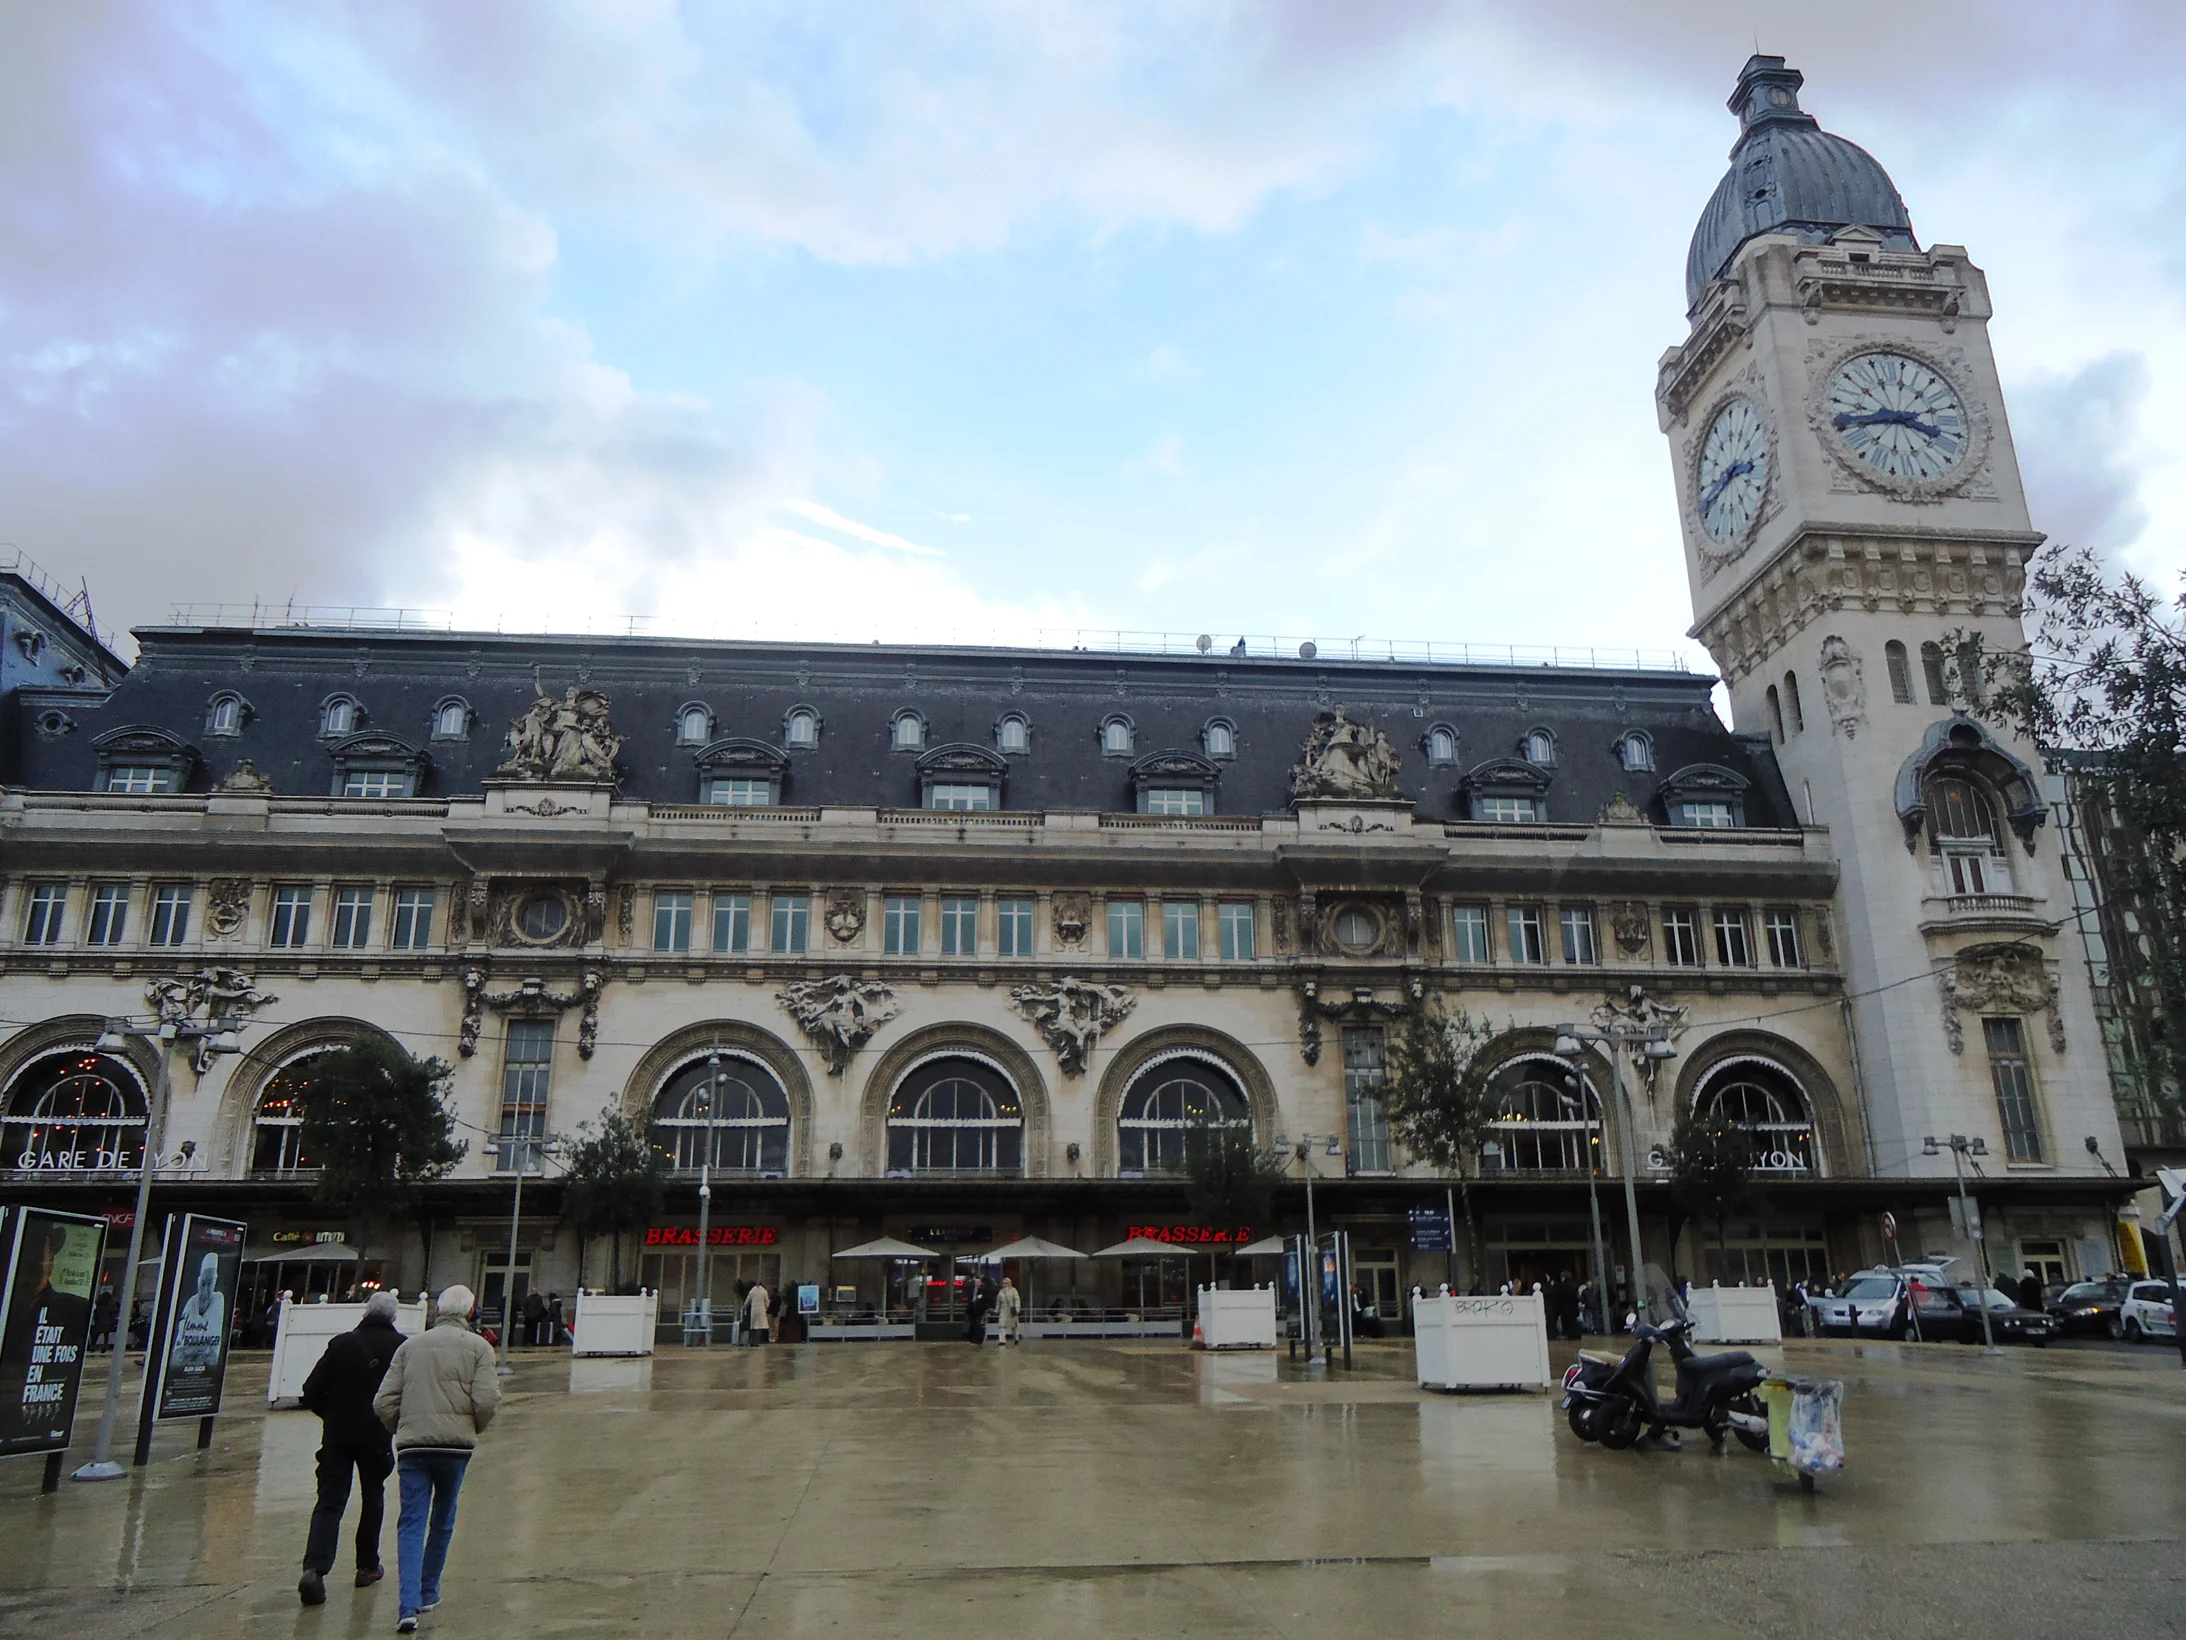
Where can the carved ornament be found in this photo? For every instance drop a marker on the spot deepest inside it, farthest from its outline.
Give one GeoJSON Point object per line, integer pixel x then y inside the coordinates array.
{"type": "Point", "coordinates": [1357, 1007]}
{"type": "Point", "coordinates": [209, 997]}
{"type": "Point", "coordinates": [1618, 811]}
{"type": "Point", "coordinates": [227, 905]}
{"type": "Point", "coordinates": [1637, 1011]}
{"type": "Point", "coordinates": [531, 1000]}
{"type": "Point", "coordinates": [568, 740]}
{"type": "Point", "coordinates": [1999, 979]}
{"type": "Point", "coordinates": [1633, 928]}
{"type": "Point", "coordinates": [244, 778]}
{"type": "Point", "coordinates": [845, 914]}
{"type": "Point", "coordinates": [1073, 914]}
{"type": "Point", "coordinates": [1346, 759]}
{"type": "Point", "coordinates": [1071, 1014]}
{"type": "Point", "coordinates": [840, 1014]}
{"type": "Point", "coordinates": [1844, 691]}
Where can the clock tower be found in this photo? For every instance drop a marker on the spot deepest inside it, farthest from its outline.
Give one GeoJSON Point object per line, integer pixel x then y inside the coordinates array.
{"type": "Point", "coordinates": [1852, 512]}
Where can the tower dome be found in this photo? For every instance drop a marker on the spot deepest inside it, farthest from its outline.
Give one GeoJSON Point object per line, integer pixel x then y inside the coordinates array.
{"type": "Point", "coordinates": [1788, 176]}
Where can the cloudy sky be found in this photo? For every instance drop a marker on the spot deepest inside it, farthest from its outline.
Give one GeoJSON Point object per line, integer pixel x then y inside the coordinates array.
{"type": "Point", "coordinates": [983, 320]}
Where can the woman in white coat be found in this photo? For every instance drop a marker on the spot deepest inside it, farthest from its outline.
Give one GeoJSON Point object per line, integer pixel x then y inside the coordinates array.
{"type": "Point", "coordinates": [755, 1313]}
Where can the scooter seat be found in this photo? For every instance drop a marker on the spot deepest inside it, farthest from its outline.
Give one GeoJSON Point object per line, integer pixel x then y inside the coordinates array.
{"type": "Point", "coordinates": [1720, 1363]}
{"type": "Point", "coordinates": [1598, 1358]}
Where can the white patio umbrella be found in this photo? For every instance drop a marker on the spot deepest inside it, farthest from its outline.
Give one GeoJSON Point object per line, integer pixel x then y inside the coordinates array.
{"type": "Point", "coordinates": [1265, 1247]}
{"type": "Point", "coordinates": [1143, 1247]}
{"type": "Point", "coordinates": [1027, 1247]}
{"type": "Point", "coordinates": [887, 1247]}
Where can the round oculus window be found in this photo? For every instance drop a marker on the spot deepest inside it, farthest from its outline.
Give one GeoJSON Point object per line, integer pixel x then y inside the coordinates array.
{"type": "Point", "coordinates": [542, 917]}
{"type": "Point", "coordinates": [1357, 929]}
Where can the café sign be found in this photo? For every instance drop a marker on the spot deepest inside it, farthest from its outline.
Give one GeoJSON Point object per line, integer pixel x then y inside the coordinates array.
{"type": "Point", "coordinates": [1191, 1235]}
{"type": "Point", "coordinates": [718, 1235]}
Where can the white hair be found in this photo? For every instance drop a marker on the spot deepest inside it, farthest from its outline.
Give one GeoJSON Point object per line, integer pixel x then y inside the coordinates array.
{"type": "Point", "coordinates": [457, 1301]}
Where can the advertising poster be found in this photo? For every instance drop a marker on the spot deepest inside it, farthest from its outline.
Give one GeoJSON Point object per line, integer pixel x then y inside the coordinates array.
{"type": "Point", "coordinates": [203, 1267]}
{"type": "Point", "coordinates": [45, 1323]}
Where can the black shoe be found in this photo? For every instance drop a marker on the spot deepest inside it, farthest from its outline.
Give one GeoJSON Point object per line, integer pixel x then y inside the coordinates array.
{"type": "Point", "coordinates": [406, 1625]}
{"type": "Point", "coordinates": [369, 1575]}
{"type": "Point", "coordinates": [311, 1589]}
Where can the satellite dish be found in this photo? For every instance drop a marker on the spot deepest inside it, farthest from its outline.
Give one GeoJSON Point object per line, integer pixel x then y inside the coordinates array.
{"type": "Point", "coordinates": [1306, 650]}
{"type": "Point", "coordinates": [1203, 643]}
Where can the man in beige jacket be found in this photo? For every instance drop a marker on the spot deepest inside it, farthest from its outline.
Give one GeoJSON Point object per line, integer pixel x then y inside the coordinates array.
{"type": "Point", "coordinates": [439, 1395]}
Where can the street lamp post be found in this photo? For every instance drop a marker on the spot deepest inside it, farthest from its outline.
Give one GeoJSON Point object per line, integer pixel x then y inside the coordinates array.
{"type": "Point", "coordinates": [1653, 1041]}
{"type": "Point", "coordinates": [522, 1150]}
{"type": "Point", "coordinates": [1309, 1282]}
{"type": "Point", "coordinates": [708, 1103]}
{"type": "Point", "coordinates": [218, 1035]}
{"type": "Point", "coordinates": [1961, 1147]}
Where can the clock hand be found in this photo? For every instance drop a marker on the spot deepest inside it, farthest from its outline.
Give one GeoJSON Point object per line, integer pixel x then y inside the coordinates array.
{"type": "Point", "coordinates": [1736, 470]}
{"type": "Point", "coordinates": [1896, 418]}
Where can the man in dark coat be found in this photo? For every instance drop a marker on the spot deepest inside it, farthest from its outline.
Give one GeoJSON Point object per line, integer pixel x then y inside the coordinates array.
{"type": "Point", "coordinates": [351, 1436]}
{"type": "Point", "coordinates": [2030, 1291]}
{"type": "Point", "coordinates": [535, 1311]}
{"type": "Point", "coordinates": [975, 1313]}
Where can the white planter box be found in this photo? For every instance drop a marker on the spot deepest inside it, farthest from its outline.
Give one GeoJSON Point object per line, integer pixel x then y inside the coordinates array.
{"type": "Point", "coordinates": [1735, 1315]}
{"type": "Point", "coordinates": [610, 1324]}
{"type": "Point", "coordinates": [1481, 1343]}
{"type": "Point", "coordinates": [299, 1339]}
{"type": "Point", "coordinates": [1237, 1318]}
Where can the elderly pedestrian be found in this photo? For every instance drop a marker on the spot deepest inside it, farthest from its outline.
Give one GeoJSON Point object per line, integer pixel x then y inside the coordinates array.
{"type": "Point", "coordinates": [757, 1316]}
{"type": "Point", "coordinates": [439, 1395]}
{"type": "Point", "coordinates": [1009, 1309]}
{"type": "Point", "coordinates": [351, 1438]}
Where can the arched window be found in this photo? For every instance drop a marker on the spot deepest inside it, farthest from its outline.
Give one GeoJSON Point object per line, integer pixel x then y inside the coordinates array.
{"type": "Point", "coordinates": [908, 732]}
{"type": "Point", "coordinates": [224, 716]}
{"type": "Point", "coordinates": [74, 1111]}
{"type": "Point", "coordinates": [955, 1116]}
{"type": "Point", "coordinates": [1901, 674]}
{"type": "Point", "coordinates": [1776, 715]}
{"type": "Point", "coordinates": [1969, 853]}
{"type": "Point", "coordinates": [1636, 753]}
{"type": "Point", "coordinates": [1013, 733]}
{"type": "Point", "coordinates": [1931, 671]}
{"type": "Point", "coordinates": [1116, 737]}
{"type": "Point", "coordinates": [339, 715]}
{"type": "Point", "coordinates": [726, 1112]}
{"type": "Point", "coordinates": [1547, 1118]}
{"type": "Point", "coordinates": [1219, 738]}
{"type": "Point", "coordinates": [1793, 714]}
{"type": "Point", "coordinates": [1538, 748]}
{"type": "Point", "coordinates": [1163, 1108]}
{"type": "Point", "coordinates": [452, 719]}
{"type": "Point", "coordinates": [276, 1134]}
{"type": "Point", "coordinates": [694, 724]}
{"type": "Point", "coordinates": [1763, 1100]}
{"type": "Point", "coordinates": [1961, 810]}
{"type": "Point", "coordinates": [1441, 744]}
{"type": "Point", "coordinates": [801, 727]}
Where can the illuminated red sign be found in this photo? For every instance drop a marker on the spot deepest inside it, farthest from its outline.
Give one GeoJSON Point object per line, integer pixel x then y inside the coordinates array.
{"type": "Point", "coordinates": [1190, 1235]}
{"type": "Point", "coordinates": [719, 1235]}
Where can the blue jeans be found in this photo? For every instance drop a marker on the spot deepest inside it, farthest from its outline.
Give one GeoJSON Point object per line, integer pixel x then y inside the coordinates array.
{"type": "Point", "coordinates": [429, 1483]}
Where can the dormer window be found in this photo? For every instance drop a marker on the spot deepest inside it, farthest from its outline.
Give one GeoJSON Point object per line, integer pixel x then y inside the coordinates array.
{"type": "Point", "coordinates": [144, 761]}
{"type": "Point", "coordinates": [224, 714]}
{"type": "Point", "coordinates": [374, 765]}
{"type": "Point", "coordinates": [452, 719]}
{"type": "Point", "coordinates": [1013, 735]}
{"type": "Point", "coordinates": [694, 724]}
{"type": "Point", "coordinates": [1538, 748]}
{"type": "Point", "coordinates": [908, 732]}
{"type": "Point", "coordinates": [1174, 783]}
{"type": "Point", "coordinates": [1440, 745]}
{"type": "Point", "coordinates": [741, 774]}
{"type": "Point", "coordinates": [1636, 753]}
{"type": "Point", "coordinates": [339, 715]}
{"type": "Point", "coordinates": [1705, 795]}
{"type": "Point", "coordinates": [961, 777]}
{"type": "Point", "coordinates": [1117, 736]}
{"type": "Point", "coordinates": [1219, 738]}
{"type": "Point", "coordinates": [801, 727]}
{"type": "Point", "coordinates": [1504, 791]}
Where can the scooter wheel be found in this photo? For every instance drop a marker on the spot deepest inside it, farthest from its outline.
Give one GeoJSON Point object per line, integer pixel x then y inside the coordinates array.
{"type": "Point", "coordinates": [1751, 1406]}
{"type": "Point", "coordinates": [1622, 1426]}
{"type": "Point", "coordinates": [1585, 1418]}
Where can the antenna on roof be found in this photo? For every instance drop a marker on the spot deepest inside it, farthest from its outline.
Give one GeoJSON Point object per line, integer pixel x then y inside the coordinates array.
{"type": "Point", "coordinates": [1203, 643]}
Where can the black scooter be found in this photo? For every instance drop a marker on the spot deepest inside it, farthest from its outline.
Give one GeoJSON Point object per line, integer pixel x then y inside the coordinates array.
{"type": "Point", "coordinates": [1614, 1402]}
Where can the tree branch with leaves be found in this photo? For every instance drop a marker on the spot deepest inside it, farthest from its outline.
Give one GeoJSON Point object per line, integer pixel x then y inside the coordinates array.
{"type": "Point", "coordinates": [1710, 1163]}
{"type": "Point", "coordinates": [615, 1179]}
{"type": "Point", "coordinates": [1437, 1099]}
{"type": "Point", "coordinates": [377, 1125]}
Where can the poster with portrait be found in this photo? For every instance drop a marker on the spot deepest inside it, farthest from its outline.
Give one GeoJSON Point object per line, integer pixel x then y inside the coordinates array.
{"type": "Point", "coordinates": [45, 1323]}
{"type": "Point", "coordinates": [198, 1279]}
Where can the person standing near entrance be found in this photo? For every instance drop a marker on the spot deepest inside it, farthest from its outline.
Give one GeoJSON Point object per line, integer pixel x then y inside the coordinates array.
{"type": "Point", "coordinates": [340, 1390]}
{"type": "Point", "coordinates": [534, 1318]}
{"type": "Point", "coordinates": [975, 1314]}
{"type": "Point", "coordinates": [439, 1395]}
{"type": "Point", "coordinates": [1008, 1307]}
{"type": "Point", "coordinates": [756, 1317]}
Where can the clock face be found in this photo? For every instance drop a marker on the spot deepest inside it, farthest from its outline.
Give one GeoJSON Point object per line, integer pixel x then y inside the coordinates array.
{"type": "Point", "coordinates": [1734, 470]}
{"type": "Point", "coordinates": [1897, 416]}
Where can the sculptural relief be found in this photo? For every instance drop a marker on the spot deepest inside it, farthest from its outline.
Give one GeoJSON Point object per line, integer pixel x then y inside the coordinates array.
{"type": "Point", "coordinates": [1629, 922]}
{"type": "Point", "coordinates": [1999, 979]}
{"type": "Point", "coordinates": [567, 740]}
{"type": "Point", "coordinates": [1844, 691]}
{"type": "Point", "coordinates": [245, 779]}
{"type": "Point", "coordinates": [227, 905]}
{"type": "Point", "coordinates": [839, 1014]}
{"type": "Point", "coordinates": [1346, 759]}
{"type": "Point", "coordinates": [845, 914]}
{"type": "Point", "coordinates": [1071, 1014]}
{"type": "Point", "coordinates": [1073, 917]}
{"type": "Point", "coordinates": [531, 1000]}
{"type": "Point", "coordinates": [209, 997]}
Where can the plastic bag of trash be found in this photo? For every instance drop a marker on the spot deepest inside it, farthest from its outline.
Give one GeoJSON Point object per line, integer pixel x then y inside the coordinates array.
{"type": "Point", "coordinates": [1817, 1427]}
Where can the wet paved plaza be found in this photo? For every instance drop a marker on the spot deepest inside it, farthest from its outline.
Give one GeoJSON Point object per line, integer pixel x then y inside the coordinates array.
{"type": "Point", "coordinates": [1071, 1488]}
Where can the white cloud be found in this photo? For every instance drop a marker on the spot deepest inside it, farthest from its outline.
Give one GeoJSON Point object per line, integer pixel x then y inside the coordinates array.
{"type": "Point", "coordinates": [829, 518]}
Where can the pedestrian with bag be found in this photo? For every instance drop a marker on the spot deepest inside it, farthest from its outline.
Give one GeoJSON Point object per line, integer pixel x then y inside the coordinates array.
{"type": "Point", "coordinates": [1009, 1308]}
{"type": "Point", "coordinates": [439, 1395]}
{"type": "Point", "coordinates": [351, 1437]}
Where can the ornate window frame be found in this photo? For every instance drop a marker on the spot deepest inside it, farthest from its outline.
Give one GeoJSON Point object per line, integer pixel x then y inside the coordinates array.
{"type": "Point", "coordinates": [1174, 770]}
{"type": "Point", "coordinates": [960, 763]}
{"type": "Point", "coordinates": [1504, 777]}
{"type": "Point", "coordinates": [440, 710]}
{"type": "Point", "coordinates": [916, 745]}
{"type": "Point", "coordinates": [1121, 720]}
{"type": "Point", "coordinates": [789, 723]}
{"type": "Point", "coordinates": [1539, 738]}
{"type": "Point", "coordinates": [357, 716]}
{"type": "Point", "coordinates": [1207, 733]}
{"type": "Point", "coordinates": [1427, 746]}
{"type": "Point", "coordinates": [367, 752]}
{"type": "Point", "coordinates": [682, 724]}
{"type": "Point", "coordinates": [1705, 783]}
{"type": "Point", "coordinates": [1621, 749]}
{"type": "Point", "coordinates": [230, 699]}
{"type": "Point", "coordinates": [741, 757]}
{"type": "Point", "coordinates": [145, 745]}
{"type": "Point", "coordinates": [1024, 725]}
{"type": "Point", "coordinates": [1958, 744]}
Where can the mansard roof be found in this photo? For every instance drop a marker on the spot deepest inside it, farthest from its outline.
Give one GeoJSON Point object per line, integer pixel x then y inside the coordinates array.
{"type": "Point", "coordinates": [961, 694]}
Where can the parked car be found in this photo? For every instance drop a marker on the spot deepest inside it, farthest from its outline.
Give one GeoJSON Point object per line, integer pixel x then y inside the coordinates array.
{"type": "Point", "coordinates": [1880, 1303]}
{"type": "Point", "coordinates": [2147, 1313]}
{"type": "Point", "coordinates": [2092, 1307]}
{"type": "Point", "coordinates": [2010, 1322]}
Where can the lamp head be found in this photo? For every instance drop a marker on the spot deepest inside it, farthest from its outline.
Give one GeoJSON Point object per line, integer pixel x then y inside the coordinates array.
{"type": "Point", "coordinates": [1659, 1048]}
{"type": "Point", "coordinates": [1567, 1047]}
{"type": "Point", "coordinates": [1335, 1145]}
{"type": "Point", "coordinates": [1929, 1147]}
{"type": "Point", "coordinates": [111, 1040]}
{"type": "Point", "coordinates": [1979, 1147]}
{"type": "Point", "coordinates": [2094, 1145]}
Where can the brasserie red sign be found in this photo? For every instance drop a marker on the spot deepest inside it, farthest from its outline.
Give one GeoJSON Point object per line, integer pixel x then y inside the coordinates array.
{"type": "Point", "coordinates": [1191, 1235]}
{"type": "Point", "coordinates": [719, 1235]}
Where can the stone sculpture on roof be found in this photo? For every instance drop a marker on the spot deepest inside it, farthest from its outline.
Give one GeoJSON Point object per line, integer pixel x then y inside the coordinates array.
{"type": "Point", "coordinates": [1345, 759]}
{"type": "Point", "coordinates": [567, 740]}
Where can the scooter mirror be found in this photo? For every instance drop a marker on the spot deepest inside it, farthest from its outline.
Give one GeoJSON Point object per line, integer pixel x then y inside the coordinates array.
{"type": "Point", "coordinates": [1631, 1320]}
